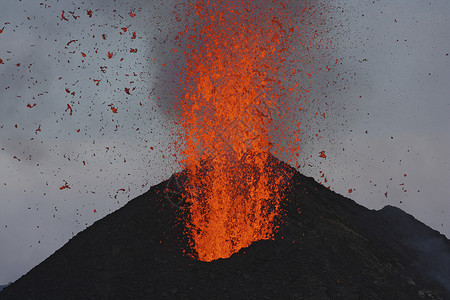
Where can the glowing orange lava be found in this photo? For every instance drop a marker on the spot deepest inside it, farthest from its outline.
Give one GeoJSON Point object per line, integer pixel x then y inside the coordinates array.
{"type": "Point", "coordinates": [233, 83]}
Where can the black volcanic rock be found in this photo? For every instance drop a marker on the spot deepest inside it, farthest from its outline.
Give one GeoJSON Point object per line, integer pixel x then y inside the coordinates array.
{"type": "Point", "coordinates": [327, 247]}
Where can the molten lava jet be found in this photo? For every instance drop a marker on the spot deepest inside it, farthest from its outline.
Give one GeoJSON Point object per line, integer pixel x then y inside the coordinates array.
{"type": "Point", "coordinates": [233, 87]}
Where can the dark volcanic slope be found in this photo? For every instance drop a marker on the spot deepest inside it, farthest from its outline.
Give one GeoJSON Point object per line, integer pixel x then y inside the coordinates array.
{"type": "Point", "coordinates": [333, 249]}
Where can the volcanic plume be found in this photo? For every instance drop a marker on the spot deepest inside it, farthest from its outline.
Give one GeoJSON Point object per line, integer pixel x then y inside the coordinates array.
{"type": "Point", "coordinates": [237, 100]}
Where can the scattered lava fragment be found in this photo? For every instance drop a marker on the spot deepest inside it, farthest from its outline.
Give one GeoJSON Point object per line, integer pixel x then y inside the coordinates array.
{"type": "Point", "coordinates": [69, 92]}
{"type": "Point", "coordinates": [63, 17]}
{"type": "Point", "coordinates": [110, 55]}
{"type": "Point", "coordinates": [322, 154]}
{"type": "Point", "coordinates": [132, 14]}
{"type": "Point", "coordinates": [70, 42]}
{"type": "Point", "coordinates": [119, 190]}
{"type": "Point", "coordinates": [69, 108]}
{"type": "Point", "coordinates": [114, 110]}
{"type": "Point", "coordinates": [65, 186]}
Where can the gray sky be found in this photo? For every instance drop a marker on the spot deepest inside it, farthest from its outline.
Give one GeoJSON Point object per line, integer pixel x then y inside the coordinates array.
{"type": "Point", "coordinates": [395, 70]}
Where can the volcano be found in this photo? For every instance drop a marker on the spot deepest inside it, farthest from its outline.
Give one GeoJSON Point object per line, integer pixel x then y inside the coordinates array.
{"type": "Point", "coordinates": [326, 247]}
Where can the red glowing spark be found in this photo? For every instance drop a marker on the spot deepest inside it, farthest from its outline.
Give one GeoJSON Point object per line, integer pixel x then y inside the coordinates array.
{"type": "Point", "coordinates": [69, 92]}
{"type": "Point", "coordinates": [110, 55]}
{"type": "Point", "coordinates": [124, 29]}
{"type": "Point", "coordinates": [350, 191]}
{"type": "Point", "coordinates": [1, 61]}
{"type": "Point", "coordinates": [114, 110]}
{"type": "Point", "coordinates": [83, 54]}
{"type": "Point", "coordinates": [69, 108]}
{"type": "Point", "coordinates": [62, 16]}
{"type": "Point", "coordinates": [31, 106]}
{"type": "Point", "coordinates": [89, 12]}
{"type": "Point", "coordinates": [66, 186]}
{"type": "Point", "coordinates": [39, 129]}
{"type": "Point", "coordinates": [127, 90]}
{"type": "Point", "coordinates": [133, 50]}
{"type": "Point", "coordinates": [104, 36]}
{"type": "Point", "coordinates": [134, 36]}
{"type": "Point", "coordinates": [322, 154]}
{"type": "Point", "coordinates": [119, 190]}
{"type": "Point", "coordinates": [71, 41]}
{"type": "Point", "coordinates": [132, 14]}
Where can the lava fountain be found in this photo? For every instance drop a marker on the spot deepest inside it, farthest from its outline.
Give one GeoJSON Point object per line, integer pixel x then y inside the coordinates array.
{"type": "Point", "coordinates": [232, 101]}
